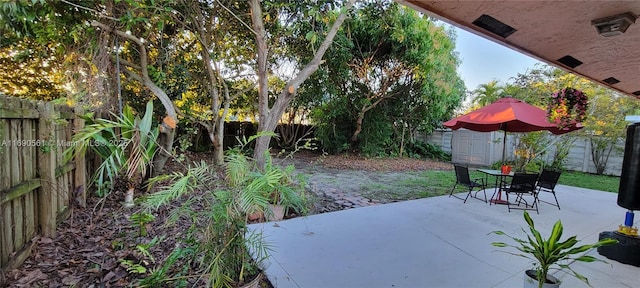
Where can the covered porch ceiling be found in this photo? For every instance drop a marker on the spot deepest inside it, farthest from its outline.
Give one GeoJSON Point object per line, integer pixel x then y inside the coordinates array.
{"type": "Point", "coordinates": [561, 33]}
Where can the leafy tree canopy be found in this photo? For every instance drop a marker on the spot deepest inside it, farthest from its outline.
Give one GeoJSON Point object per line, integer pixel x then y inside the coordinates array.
{"type": "Point", "coordinates": [390, 72]}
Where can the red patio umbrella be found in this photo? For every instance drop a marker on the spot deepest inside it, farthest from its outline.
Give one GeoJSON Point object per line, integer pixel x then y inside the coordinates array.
{"type": "Point", "coordinates": [509, 115]}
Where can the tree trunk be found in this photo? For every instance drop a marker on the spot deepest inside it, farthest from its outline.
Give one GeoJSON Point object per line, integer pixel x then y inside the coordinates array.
{"type": "Point", "coordinates": [167, 128]}
{"type": "Point", "coordinates": [218, 145]}
{"type": "Point", "coordinates": [128, 198]}
{"type": "Point", "coordinates": [354, 136]}
{"type": "Point", "coordinates": [262, 144]}
{"type": "Point", "coordinates": [402, 141]}
{"type": "Point", "coordinates": [165, 143]}
{"type": "Point", "coordinates": [218, 156]}
{"type": "Point", "coordinates": [218, 126]}
{"type": "Point", "coordinates": [269, 117]}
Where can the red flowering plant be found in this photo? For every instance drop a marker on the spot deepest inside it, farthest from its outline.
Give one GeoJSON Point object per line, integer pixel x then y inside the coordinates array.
{"type": "Point", "coordinates": [567, 107]}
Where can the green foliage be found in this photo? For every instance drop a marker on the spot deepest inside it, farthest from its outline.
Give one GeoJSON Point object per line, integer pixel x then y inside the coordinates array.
{"type": "Point", "coordinates": [390, 72]}
{"type": "Point", "coordinates": [529, 149]}
{"type": "Point", "coordinates": [534, 166]}
{"type": "Point", "coordinates": [590, 181]}
{"type": "Point", "coordinates": [333, 126]}
{"type": "Point", "coordinates": [487, 93]}
{"type": "Point", "coordinates": [548, 253]}
{"type": "Point", "coordinates": [23, 74]}
{"type": "Point", "coordinates": [283, 186]}
{"type": "Point", "coordinates": [270, 185]}
{"type": "Point", "coordinates": [219, 238]}
{"type": "Point", "coordinates": [133, 267]}
{"type": "Point", "coordinates": [376, 139]}
{"type": "Point", "coordinates": [605, 125]}
{"type": "Point", "coordinates": [245, 146]}
{"type": "Point", "coordinates": [141, 219]}
{"type": "Point", "coordinates": [159, 277]}
{"type": "Point", "coordinates": [126, 146]}
{"type": "Point", "coordinates": [39, 47]}
{"type": "Point", "coordinates": [185, 143]}
{"type": "Point", "coordinates": [420, 149]}
{"type": "Point", "coordinates": [562, 147]}
{"type": "Point", "coordinates": [199, 175]}
{"type": "Point", "coordinates": [142, 252]}
{"type": "Point", "coordinates": [225, 244]}
{"type": "Point", "coordinates": [143, 248]}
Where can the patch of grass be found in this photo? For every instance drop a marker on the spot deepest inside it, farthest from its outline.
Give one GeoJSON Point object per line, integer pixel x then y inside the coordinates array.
{"type": "Point", "coordinates": [433, 183]}
{"type": "Point", "coordinates": [590, 181]}
{"type": "Point", "coordinates": [413, 186]}
{"type": "Point", "coordinates": [375, 187]}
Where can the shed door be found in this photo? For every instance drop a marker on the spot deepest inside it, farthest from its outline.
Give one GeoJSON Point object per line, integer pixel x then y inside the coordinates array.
{"type": "Point", "coordinates": [471, 147]}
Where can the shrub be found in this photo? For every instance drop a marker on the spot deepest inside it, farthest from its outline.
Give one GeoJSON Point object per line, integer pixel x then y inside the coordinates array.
{"type": "Point", "coordinates": [420, 149]}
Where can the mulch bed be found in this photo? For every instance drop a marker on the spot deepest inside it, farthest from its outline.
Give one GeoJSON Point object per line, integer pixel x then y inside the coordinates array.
{"type": "Point", "coordinates": [91, 244]}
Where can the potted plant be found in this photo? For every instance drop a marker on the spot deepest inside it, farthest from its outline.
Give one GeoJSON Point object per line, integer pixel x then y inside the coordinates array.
{"type": "Point", "coordinates": [567, 107]}
{"type": "Point", "coordinates": [287, 193]}
{"type": "Point", "coordinates": [505, 168]}
{"type": "Point", "coordinates": [550, 253]}
{"type": "Point", "coordinates": [281, 189]}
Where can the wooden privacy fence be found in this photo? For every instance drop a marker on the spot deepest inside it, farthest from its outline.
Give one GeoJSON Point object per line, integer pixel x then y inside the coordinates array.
{"type": "Point", "coordinates": [36, 188]}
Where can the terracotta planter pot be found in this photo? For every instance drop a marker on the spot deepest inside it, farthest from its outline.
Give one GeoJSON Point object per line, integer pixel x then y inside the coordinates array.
{"type": "Point", "coordinates": [277, 213]}
{"type": "Point", "coordinates": [530, 280]}
{"type": "Point", "coordinates": [255, 216]}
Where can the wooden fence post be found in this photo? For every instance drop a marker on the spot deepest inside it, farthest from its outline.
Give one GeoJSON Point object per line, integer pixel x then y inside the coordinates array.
{"type": "Point", "coordinates": [47, 199]}
{"type": "Point", "coordinates": [80, 189]}
{"type": "Point", "coordinates": [6, 240]}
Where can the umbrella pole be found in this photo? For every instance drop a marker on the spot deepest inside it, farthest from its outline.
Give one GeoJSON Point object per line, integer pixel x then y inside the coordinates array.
{"type": "Point", "coordinates": [504, 145]}
{"type": "Point", "coordinates": [499, 200]}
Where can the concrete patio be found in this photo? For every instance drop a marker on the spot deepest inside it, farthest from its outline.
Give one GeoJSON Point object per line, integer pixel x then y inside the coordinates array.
{"type": "Point", "coordinates": [435, 242]}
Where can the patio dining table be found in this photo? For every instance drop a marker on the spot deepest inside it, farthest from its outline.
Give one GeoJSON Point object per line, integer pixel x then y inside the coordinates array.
{"type": "Point", "coordinates": [500, 182]}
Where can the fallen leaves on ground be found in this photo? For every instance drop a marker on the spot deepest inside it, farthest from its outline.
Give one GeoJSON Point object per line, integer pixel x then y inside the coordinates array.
{"type": "Point", "coordinates": [90, 246]}
{"type": "Point", "coordinates": [351, 162]}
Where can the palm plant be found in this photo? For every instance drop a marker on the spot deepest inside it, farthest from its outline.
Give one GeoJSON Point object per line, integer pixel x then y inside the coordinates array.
{"type": "Point", "coordinates": [288, 190]}
{"type": "Point", "coordinates": [488, 93]}
{"type": "Point", "coordinates": [223, 239]}
{"type": "Point", "coordinates": [126, 146]}
{"type": "Point", "coordinates": [275, 185]}
{"type": "Point", "coordinates": [551, 252]}
{"type": "Point", "coordinates": [279, 186]}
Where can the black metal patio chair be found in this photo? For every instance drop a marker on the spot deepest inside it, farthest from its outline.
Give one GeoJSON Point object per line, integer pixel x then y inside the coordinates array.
{"type": "Point", "coordinates": [522, 185]}
{"type": "Point", "coordinates": [462, 178]}
{"type": "Point", "coordinates": [547, 182]}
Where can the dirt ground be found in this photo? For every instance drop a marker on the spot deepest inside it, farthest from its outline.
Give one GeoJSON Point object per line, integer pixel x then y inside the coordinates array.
{"type": "Point", "coordinates": [91, 244]}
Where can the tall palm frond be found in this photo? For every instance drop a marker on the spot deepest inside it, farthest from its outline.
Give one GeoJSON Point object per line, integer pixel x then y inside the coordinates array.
{"type": "Point", "coordinates": [126, 145]}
